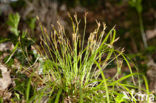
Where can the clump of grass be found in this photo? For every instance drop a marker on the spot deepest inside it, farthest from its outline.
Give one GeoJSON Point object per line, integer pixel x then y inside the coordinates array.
{"type": "Point", "coordinates": [74, 72]}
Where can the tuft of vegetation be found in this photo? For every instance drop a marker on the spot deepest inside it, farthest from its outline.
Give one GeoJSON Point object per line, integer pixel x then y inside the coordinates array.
{"type": "Point", "coordinates": [74, 71]}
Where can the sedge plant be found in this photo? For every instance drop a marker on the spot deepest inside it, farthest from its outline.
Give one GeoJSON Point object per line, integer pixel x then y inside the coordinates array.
{"type": "Point", "coordinates": [74, 72]}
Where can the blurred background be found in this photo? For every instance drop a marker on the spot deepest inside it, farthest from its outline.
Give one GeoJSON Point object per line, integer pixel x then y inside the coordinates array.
{"type": "Point", "coordinates": [134, 20]}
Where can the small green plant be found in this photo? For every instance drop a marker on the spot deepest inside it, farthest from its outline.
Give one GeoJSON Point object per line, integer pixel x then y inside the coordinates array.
{"type": "Point", "coordinates": [75, 72]}
{"type": "Point", "coordinates": [13, 22]}
{"type": "Point", "coordinates": [19, 38]}
{"type": "Point", "coordinates": [31, 23]}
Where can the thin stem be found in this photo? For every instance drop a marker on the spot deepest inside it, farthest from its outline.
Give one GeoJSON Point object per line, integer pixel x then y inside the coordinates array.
{"type": "Point", "coordinates": [142, 31]}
